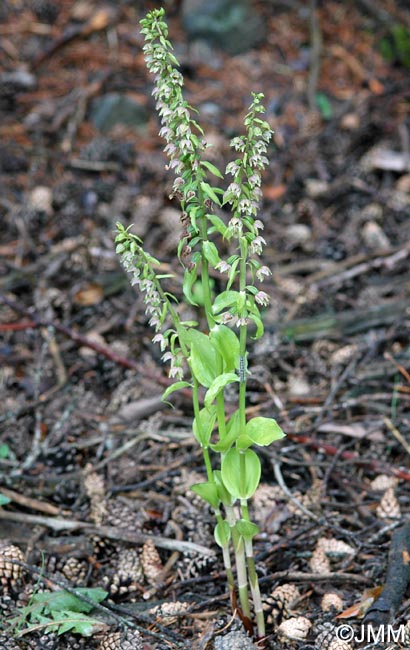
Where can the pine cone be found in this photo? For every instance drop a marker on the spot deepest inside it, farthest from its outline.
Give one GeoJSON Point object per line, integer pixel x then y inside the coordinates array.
{"type": "Point", "coordinates": [127, 640]}
{"type": "Point", "coordinates": [10, 573]}
{"type": "Point", "coordinates": [234, 641]}
{"type": "Point", "coordinates": [151, 562]}
{"type": "Point", "coordinates": [295, 628]}
{"type": "Point", "coordinates": [280, 602]}
{"type": "Point", "coordinates": [331, 601]}
{"type": "Point", "coordinates": [95, 490]}
{"type": "Point", "coordinates": [127, 574]}
{"type": "Point", "coordinates": [165, 613]}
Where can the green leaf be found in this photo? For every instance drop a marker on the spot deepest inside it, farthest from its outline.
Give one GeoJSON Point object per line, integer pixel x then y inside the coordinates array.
{"type": "Point", "coordinates": [232, 273]}
{"type": "Point", "coordinates": [211, 253]}
{"type": "Point", "coordinates": [241, 472]}
{"type": "Point", "coordinates": [69, 621]}
{"type": "Point", "coordinates": [202, 430]}
{"type": "Point", "coordinates": [246, 529]}
{"type": "Point", "coordinates": [210, 192]}
{"type": "Point", "coordinates": [324, 106]}
{"type": "Point", "coordinates": [224, 496]}
{"type": "Point", "coordinates": [224, 300]}
{"type": "Point", "coordinates": [208, 492]}
{"type": "Point", "coordinates": [210, 167]}
{"type": "Point", "coordinates": [259, 326]}
{"type": "Point", "coordinates": [4, 499]}
{"type": "Point", "coordinates": [174, 387]}
{"type": "Point", "coordinates": [217, 385]}
{"type": "Point", "coordinates": [217, 224]}
{"type": "Point", "coordinates": [241, 301]}
{"type": "Point", "coordinates": [203, 362]}
{"type": "Point", "coordinates": [60, 600]}
{"type": "Point", "coordinates": [243, 442]}
{"type": "Point", "coordinates": [263, 431]}
{"type": "Point", "coordinates": [222, 534]}
{"type": "Point", "coordinates": [232, 434]}
{"type": "Point", "coordinates": [4, 450]}
{"type": "Point", "coordinates": [227, 344]}
{"type": "Point", "coordinates": [225, 443]}
{"type": "Point", "coordinates": [189, 281]}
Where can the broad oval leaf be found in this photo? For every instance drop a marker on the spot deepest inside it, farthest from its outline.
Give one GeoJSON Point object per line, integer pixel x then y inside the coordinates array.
{"type": "Point", "coordinates": [263, 431]}
{"type": "Point", "coordinates": [203, 362]}
{"type": "Point", "coordinates": [241, 472]}
{"type": "Point", "coordinates": [217, 385]}
{"type": "Point", "coordinates": [227, 344]}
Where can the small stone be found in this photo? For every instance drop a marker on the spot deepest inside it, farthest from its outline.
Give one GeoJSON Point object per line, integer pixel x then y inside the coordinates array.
{"type": "Point", "coordinates": [298, 387]}
{"type": "Point", "coordinates": [299, 234]}
{"type": "Point", "coordinates": [383, 482]}
{"type": "Point", "coordinates": [41, 199]}
{"type": "Point", "coordinates": [342, 356]}
{"type": "Point", "coordinates": [374, 236]}
{"type": "Point", "coordinates": [116, 108]}
{"type": "Point", "coordinates": [350, 122]}
{"type": "Point", "coordinates": [232, 25]}
{"type": "Point", "coordinates": [371, 212]}
{"type": "Point", "coordinates": [403, 184]}
{"type": "Point", "coordinates": [316, 188]}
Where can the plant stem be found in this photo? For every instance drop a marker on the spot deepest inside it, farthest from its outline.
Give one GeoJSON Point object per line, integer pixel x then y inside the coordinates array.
{"type": "Point", "coordinates": [206, 288]}
{"type": "Point", "coordinates": [253, 576]}
{"type": "Point", "coordinates": [255, 589]}
{"type": "Point", "coordinates": [211, 479]}
{"type": "Point", "coordinates": [243, 330]}
{"type": "Point", "coordinates": [240, 562]}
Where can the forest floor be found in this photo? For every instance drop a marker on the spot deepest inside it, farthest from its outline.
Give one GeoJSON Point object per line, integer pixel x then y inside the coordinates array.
{"type": "Point", "coordinates": [95, 469]}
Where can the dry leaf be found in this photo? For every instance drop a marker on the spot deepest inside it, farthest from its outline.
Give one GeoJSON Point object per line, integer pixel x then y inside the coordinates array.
{"type": "Point", "coordinates": [91, 294]}
{"type": "Point", "coordinates": [358, 610]}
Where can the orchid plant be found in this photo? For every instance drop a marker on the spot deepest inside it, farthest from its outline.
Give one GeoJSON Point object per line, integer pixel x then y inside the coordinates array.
{"type": "Point", "coordinates": [209, 361]}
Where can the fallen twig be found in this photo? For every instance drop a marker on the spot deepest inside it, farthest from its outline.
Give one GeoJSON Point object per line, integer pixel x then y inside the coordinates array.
{"type": "Point", "coordinates": [110, 532]}
{"type": "Point", "coordinates": [375, 465]}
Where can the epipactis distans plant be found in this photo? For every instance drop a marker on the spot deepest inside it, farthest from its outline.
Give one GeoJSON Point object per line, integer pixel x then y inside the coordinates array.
{"type": "Point", "coordinates": [214, 359]}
